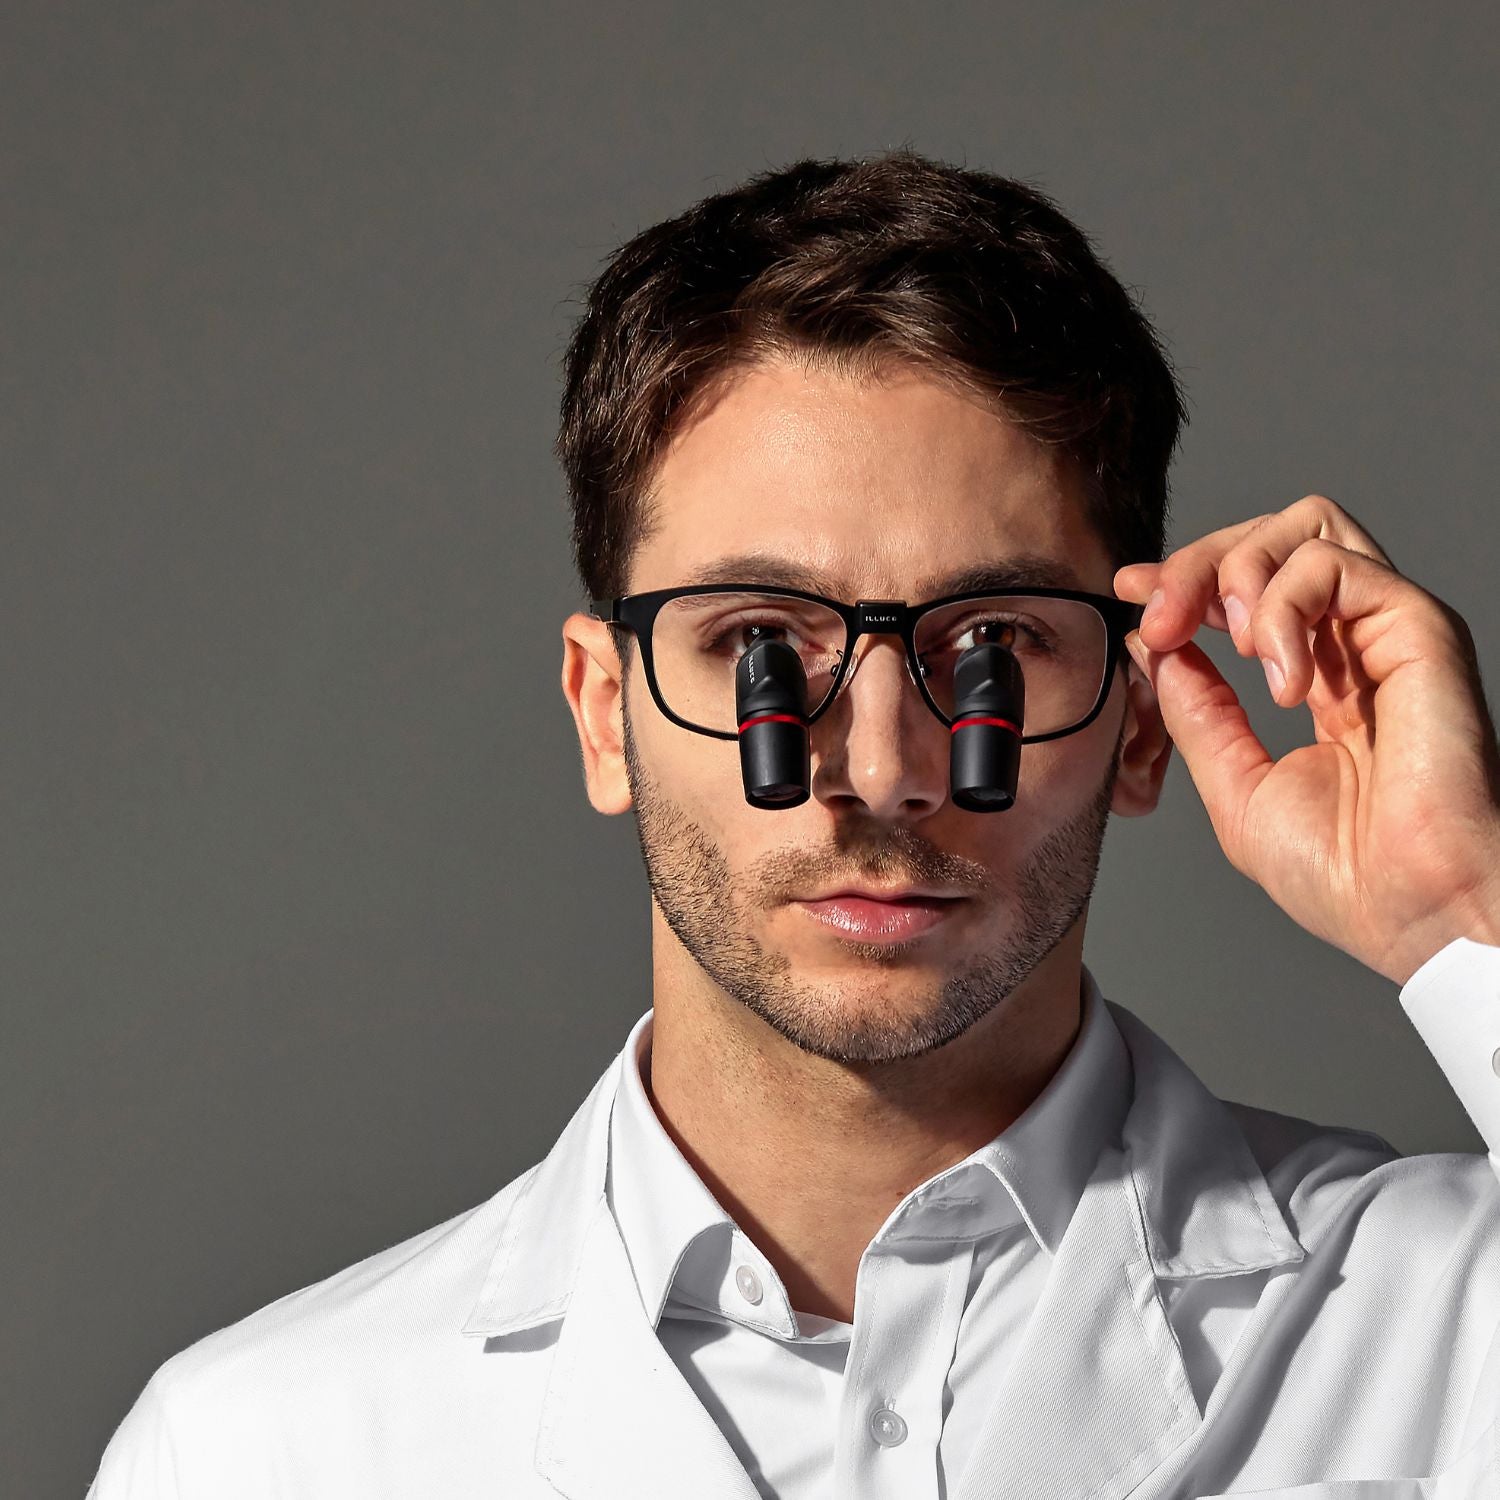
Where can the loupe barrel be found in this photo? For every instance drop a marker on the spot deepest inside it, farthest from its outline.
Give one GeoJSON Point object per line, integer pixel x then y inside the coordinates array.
{"type": "Point", "coordinates": [984, 765]}
{"type": "Point", "coordinates": [771, 708]}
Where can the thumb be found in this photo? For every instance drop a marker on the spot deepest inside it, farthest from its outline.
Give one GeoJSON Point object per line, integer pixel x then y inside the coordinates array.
{"type": "Point", "coordinates": [1209, 727]}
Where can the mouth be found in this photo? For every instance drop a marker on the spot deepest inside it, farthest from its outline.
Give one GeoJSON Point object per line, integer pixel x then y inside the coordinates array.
{"type": "Point", "coordinates": [875, 920]}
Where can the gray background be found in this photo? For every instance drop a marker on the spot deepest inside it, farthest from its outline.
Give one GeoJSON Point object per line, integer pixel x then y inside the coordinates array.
{"type": "Point", "coordinates": [311, 939]}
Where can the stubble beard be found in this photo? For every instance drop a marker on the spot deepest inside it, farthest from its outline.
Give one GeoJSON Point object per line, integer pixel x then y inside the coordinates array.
{"type": "Point", "coordinates": [692, 885]}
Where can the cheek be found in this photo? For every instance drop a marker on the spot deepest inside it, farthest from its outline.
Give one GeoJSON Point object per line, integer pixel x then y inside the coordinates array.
{"type": "Point", "coordinates": [1081, 759]}
{"type": "Point", "coordinates": [698, 776]}
{"type": "Point", "coordinates": [1057, 779]}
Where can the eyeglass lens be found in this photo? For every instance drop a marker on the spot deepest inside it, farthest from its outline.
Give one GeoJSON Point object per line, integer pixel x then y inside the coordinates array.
{"type": "Point", "coordinates": [1062, 646]}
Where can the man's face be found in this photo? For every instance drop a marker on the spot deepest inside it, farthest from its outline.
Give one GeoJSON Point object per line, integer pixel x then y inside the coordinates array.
{"type": "Point", "coordinates": [882, 486]}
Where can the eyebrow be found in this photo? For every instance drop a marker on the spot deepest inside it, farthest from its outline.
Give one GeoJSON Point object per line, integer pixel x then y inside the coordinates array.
{"type": "Point", "coordinates": [1025, 570]}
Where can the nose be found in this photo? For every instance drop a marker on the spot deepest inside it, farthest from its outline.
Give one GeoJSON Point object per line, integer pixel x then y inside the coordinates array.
{"type": "Point", "coordinates": [879, 745]}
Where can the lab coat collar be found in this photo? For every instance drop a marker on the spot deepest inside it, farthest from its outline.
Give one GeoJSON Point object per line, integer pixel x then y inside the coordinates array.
{"type": "Point", "coordinates": [1206, 1208]}
{"type": "Point", "coordinates": [1034, 1169]}
{"type": "Point", "coordinates": [1179, 1195]}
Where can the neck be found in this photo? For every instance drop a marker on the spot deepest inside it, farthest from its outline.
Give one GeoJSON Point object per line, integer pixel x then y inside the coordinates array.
{"type": "Point", "coordinates": [809, 1156]}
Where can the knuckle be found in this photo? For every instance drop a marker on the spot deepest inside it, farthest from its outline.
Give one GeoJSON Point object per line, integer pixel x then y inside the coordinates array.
{"type": "Point", "coordinates": [1449, 619]}
{"type": "Point", "coordinates": [1321, 506]}
{"type": "Point", "coordinates": [1271, 608]}
{"type": "Point", "coordinates": [1321, 547]}
{"type": "Point", "coordinates": [1239, 576]}
{"type": "Point", "coordinates": [1177, 572]}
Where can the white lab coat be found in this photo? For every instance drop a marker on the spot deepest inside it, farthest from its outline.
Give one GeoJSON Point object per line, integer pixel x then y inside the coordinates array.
{"type": "Point", "coordinates": [505, 1355]}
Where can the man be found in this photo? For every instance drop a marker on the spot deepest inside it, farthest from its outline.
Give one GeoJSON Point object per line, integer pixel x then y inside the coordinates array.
{"type": "Point", "coordinates": [882, 1197]}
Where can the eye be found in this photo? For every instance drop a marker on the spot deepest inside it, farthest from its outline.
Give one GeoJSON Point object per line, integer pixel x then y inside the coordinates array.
{"type": "Point", "coordinates": [1008, 631]}
{"type": "Point", "coordinates": [759, 630]}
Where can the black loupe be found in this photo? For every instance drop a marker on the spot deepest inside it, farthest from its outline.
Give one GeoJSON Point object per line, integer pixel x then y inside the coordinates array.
{"type": "Point", "coordinates": [989, 704]}
{"type": "Point", "coordinates": [770, 696]}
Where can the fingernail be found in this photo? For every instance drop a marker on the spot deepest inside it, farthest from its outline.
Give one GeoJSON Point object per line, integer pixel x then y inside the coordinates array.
{"type": "Point", "coordinates": [1153, 609]}
{"type": "Point", "coordinates": [1274, 677]}
{"type": "Point", "coordinates": [1137, 648]}
{"type": "Point", "coordinates": [1236, 615]}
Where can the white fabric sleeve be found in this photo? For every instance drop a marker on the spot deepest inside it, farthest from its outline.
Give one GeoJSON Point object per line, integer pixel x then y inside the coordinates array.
{"type": "Point", "coordinates": [139, 1463]}
{"type": "Point", "coordinates": [1453, 1000]}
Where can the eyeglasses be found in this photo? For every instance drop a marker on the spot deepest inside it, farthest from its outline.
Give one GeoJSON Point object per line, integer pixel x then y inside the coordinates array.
{"type": "Point", "coordinates": [1067, 643]}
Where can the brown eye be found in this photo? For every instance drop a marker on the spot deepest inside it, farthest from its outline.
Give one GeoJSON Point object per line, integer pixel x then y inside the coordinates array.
{"type": "Point", "coordinates": [1011, 634]}
{"type": "Point", "coordinates": [745, 634]}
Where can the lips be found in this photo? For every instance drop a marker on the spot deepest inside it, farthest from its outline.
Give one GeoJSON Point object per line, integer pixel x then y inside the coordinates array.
{"type": "Point", "coordinates": [871, 893]}
{"type": "Point", "coordinates": [872, 920]}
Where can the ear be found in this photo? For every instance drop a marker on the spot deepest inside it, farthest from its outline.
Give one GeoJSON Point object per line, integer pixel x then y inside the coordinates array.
{"type": "Point", "coordinates": [1145, 750]}
{"type": "Point", "coordinates": [591, 682]}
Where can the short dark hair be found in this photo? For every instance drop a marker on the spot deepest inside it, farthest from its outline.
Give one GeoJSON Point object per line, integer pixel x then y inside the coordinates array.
{"type": "Point", "coordinates": [978, 277]}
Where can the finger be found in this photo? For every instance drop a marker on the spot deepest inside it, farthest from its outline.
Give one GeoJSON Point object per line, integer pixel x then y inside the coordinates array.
{"type": "Point", "coordinates": [1210, 729]}
{"type": "Point", "coordinates": [1136, 581]}
{"type": "Point", "coordinates": [1250, 567]}
{"type": "Point", "coordinates": [1139, 588]}
{"type": "Point", "coordinates": [1237, 562]}
{"type": "Point", "coordinates": [1182, 595]}
{"type": "Point", "coordinates": [1365, 603]}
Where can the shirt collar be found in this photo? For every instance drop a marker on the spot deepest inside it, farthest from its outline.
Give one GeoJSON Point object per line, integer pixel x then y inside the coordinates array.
{"type": "Point", "coordinates": [1032, 1172]}
{"type": "Point", "coordinates": [1199, 1194]}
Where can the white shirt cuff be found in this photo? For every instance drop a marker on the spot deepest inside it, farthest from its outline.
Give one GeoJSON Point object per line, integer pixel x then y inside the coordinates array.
{"type": "Point", "coordinates": [1453, 1000]}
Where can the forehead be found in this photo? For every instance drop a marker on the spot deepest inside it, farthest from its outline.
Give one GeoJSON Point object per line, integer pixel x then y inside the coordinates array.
{"type": "Point", "coordinates": [883, 486]}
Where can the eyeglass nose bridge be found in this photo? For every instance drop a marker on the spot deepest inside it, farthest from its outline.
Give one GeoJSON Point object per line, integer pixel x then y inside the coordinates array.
{"type": "Point", "coordinates": [880, 616]}
{"type": "Point", "coordinates": [883, 617]}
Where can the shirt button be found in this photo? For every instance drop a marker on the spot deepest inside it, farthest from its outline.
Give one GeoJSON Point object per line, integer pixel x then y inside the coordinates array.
{"type": "Point", "coordinates": [748, 1283]}
{"type": "Point", "coordinates": [887, 1427]}
{"type": "Point", "coordinates": [1495, 1061]}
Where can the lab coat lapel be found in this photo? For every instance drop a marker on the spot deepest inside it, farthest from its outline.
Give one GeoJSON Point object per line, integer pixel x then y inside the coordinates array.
{"type": "Point", "coordinates": [619, 1421]}
{"type": "Point", "coordinates": [1097, 1395]}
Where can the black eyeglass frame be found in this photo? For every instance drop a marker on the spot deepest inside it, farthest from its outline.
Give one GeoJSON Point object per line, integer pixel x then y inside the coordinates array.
{"type": "Point", "coordinates": [637, 613]}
